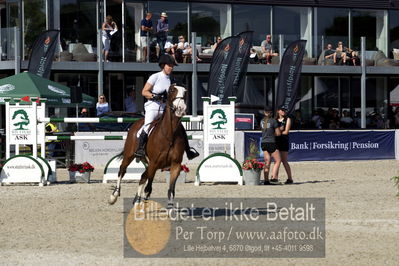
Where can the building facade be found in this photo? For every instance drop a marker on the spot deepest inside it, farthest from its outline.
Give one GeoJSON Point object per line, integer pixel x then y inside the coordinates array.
{"type": "Point", "coordinates": [319, 22]}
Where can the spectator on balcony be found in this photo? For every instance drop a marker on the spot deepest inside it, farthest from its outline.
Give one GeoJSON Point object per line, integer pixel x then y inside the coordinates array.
{"type": "Point", "coordinates": [267, 49]}
{"type": "Point", "coordinates": [109, 27]}
{"type": "Point", "coordinates": [352, 55]}
{"type": "Point", "coordinates": [162, 31]}
{"type": "Point", "coordinates": [329, 53]}
{"type": "Point", "coordinates": [340, 54]}
{"type": "Point", "coordinates": [102, 106]}
{"type": "Point", "coordinates": [218, 40]}
{"type": "Point", "coordinates": [183, 50]}
{"type": "Point", "coordinates": [146, 28]}
{"type": "Point", "coordinates": [170, 48]}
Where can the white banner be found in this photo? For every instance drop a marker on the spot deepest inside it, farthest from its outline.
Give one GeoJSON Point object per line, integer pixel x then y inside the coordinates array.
{"type": "Point", "coordinates": [22, 125]}
{"type": "Point", "coordinates": [219, 128]}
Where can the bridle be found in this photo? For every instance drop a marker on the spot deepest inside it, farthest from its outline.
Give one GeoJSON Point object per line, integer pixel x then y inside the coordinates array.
{"type": "Point", "coordinates": [173, 110]}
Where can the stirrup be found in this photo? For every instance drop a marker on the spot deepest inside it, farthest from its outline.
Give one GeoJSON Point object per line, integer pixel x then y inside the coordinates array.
{"type": "Point", "coordinates": [139, 156]}
{"type": "Point", "coordinates": [192, 153]}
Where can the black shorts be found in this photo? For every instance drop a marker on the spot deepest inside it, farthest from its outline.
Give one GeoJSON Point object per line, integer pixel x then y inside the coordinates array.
{"type": "Point", "coordinates": [282, 143]}
{"type": "Point", "coordinates": [269, 147]}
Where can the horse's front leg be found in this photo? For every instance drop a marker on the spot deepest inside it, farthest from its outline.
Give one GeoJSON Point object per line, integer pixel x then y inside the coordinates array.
{"type": "Point", "coordinates": [174, 173]}
{"type": "Point", "coordinates": [122, 171]}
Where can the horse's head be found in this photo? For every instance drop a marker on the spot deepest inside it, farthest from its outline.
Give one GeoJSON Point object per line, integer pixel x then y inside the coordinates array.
{"type": "Point", "coordinates": [176, 100]}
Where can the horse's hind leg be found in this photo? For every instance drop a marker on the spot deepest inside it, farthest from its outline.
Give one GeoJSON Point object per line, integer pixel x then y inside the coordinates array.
{"type": "Point", "coordinates": [150, 177]}
{"type": "Point", "coordinates": [174, 173]}
{"type": "Point", "coordinates": [148, 189]}
{"type": "Point", "coordinates": [122, 171]}
{"type": "Point", "coordinates": [143, 181]}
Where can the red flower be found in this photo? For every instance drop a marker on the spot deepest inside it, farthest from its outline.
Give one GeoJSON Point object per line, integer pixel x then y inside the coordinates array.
{"type": "Point", "coordinates": [184, 168]}
{"type": "Point", "coordinates": [252, 164]}
{"type": "Point", "coordinates": [81, 168]}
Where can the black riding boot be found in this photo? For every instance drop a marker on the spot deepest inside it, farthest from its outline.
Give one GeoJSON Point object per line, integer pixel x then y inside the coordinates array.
{"type": "Point", "coordinates": [191, 152]}
{"type": "Point", "coordinates": [140, 152]}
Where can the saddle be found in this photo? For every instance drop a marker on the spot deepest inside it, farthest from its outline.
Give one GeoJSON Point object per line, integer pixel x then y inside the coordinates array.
{"type": "Point", "coordinates": [153, 125]}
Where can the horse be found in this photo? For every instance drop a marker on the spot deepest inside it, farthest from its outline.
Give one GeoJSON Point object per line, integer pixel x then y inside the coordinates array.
{"type": "Point", "coordinates": [165, 148]}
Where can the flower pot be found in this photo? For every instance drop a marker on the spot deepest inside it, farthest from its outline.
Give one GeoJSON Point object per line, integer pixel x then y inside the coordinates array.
{"type": "Point", "coordinates": [79, 177]}
{"type": "Point", "coordinates": [180, 179]}
{"type": "Point", "coordinates": [252, 177]}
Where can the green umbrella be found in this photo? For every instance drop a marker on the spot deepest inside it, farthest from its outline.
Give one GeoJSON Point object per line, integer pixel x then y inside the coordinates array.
{"type": "Point", "coordinates": [25, 85]}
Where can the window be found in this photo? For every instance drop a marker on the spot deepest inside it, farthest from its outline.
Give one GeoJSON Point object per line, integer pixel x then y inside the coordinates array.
{"type": "Point", "coordinates": [177, 17]}
{"type": "Point", "coordinates": [294, 23]}
{"type": "Point", "coordinates": [210, 21]}
{"type": "Point", "coordinates": [78, 22]}
{"type": "Point", "coordinates": [331, 27]}
{"type": "Point", "coordinates": [394, 30]}
{"type": "Point", "coordinates": [8, 20]}
{"type": "Point", "coordinates": [371, 25]}
{"type": "Point", "coordinates": [133, 15]}
{"type": "Point", "coordinates": [376, 100]}
{"type": "Point", "coordinates": [303, 108]}
{"type": "Point", "coordinates": [259, 22]}
{"type": "Point", "coordinates": [34, 23]}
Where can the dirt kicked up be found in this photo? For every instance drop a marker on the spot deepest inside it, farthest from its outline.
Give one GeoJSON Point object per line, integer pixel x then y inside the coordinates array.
{"type": "Point", "coordinates": [69, 224]}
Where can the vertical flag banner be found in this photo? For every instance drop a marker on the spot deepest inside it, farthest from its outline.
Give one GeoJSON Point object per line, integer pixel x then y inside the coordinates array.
{"type": "Point", "coordinates": [242, 59]}
{"type": "Point", "coordinates": [229, 65]}
{"type": "Point", "coordinates": [289, 75]}
{"type": "Point", "coordinates": [41, 57]}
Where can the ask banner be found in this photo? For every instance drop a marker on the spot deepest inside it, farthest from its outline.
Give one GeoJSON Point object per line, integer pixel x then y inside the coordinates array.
{"type": "Point", "coordinates": [41, 57]}
{"type": "Point", "coordinates": [289, 75]}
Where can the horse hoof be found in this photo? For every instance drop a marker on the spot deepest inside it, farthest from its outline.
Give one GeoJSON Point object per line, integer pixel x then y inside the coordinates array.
{"type": "Point", "coordinates": [112, 199]}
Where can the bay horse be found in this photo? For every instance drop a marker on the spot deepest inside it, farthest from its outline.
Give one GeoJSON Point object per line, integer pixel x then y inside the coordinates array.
{"type": "Point", "coordinates": [165, 147]}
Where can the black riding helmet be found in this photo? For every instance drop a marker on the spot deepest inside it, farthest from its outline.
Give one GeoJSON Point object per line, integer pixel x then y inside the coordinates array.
{"type": "Point", "coordinates": [166, 59]}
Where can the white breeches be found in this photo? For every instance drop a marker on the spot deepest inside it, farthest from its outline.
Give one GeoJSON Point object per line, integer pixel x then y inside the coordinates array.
{"type": "Point", "coordinates": [150, 115]}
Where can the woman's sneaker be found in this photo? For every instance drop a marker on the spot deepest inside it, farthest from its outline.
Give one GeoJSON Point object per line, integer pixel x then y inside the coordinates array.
{"type": "Point", "coordinates": [289, 181]}
{"type": "Point", "coordinates": [275, 182]}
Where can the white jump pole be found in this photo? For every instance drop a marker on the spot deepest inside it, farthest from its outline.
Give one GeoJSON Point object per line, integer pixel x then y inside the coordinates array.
{"type": "Point", "coordinates": [8, 133]}
{"type": "Point", "coordinates": [34, 133]}
{"type": "Point", "coordinates": [16, 100]}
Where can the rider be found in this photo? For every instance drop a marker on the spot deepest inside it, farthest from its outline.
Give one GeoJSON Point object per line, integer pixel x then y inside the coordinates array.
{"type": "Point", "coordinates": [155, 91]}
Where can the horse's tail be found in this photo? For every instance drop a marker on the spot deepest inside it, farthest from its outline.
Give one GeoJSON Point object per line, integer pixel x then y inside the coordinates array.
{"type": "Point", "coordinates": [120, 155]}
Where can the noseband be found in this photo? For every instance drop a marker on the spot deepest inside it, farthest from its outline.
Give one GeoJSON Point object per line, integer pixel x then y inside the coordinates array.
{"type": "Point", "coordinates": [171, 106]}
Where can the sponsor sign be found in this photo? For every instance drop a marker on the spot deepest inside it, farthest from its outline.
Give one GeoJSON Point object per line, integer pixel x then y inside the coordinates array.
{"type": "Point", "coordinates": [289, 75]}
{"type": "Point", "coordinates": [229, 65]}
{"type": "Point", "coordinates": [22, 125]}
{"type": "Point", "coordinates": [22, 168]}
{"type": "Point", "coordinates": [6, 88]}
{"type": "Point", "coordinates": [219, 167]}
{"type": "Point", "coordinates": [41, 57]}
{"type": "Point", "coordinates": [133, 171]}
{"type": "Point", "coordinates": [244, 121]}
{"type": "Point", "coordinates": [219, 129]}
{"type": "Point", "coordinates": [98, 152]}
{"type": "Point", "coordinates": [331, 145]}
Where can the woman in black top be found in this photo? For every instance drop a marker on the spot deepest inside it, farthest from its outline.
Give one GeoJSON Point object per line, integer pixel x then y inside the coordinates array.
{"type": "Point", "coordinates": [269, 132]}
{"type": "Point", "coordinates": [282, 141]}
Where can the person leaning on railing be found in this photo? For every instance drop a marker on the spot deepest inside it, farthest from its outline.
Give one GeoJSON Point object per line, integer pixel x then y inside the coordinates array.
{"type": "Point", "coordinates": [53, 145]}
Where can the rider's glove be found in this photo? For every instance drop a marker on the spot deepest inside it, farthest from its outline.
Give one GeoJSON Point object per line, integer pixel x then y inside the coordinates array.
{"type": "Point", "coordinates": [157, 97]}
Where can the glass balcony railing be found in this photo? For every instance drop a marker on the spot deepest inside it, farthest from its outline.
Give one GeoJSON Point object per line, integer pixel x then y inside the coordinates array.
{"type": "Point", "coordinates": [7, 47]}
